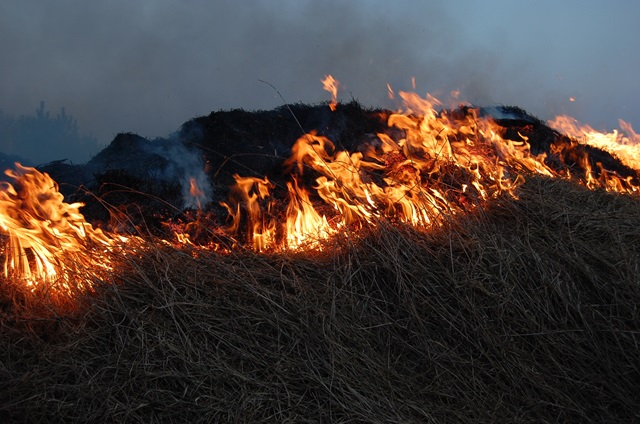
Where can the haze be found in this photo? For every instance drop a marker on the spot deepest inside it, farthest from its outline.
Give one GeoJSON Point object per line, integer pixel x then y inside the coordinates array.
{"type": "Point", "coordinates": [149, 66]}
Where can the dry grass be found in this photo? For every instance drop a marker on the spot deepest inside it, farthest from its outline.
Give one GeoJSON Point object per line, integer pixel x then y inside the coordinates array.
{"type": "Point", "coordinates": [525, 312]}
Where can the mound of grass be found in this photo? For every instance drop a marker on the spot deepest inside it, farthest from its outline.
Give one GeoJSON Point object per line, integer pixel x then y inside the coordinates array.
{"type": "Point", "coordinates": [523, 312]}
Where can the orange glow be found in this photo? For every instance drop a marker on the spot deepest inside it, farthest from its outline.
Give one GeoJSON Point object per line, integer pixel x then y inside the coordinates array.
{"type": "Point", "coordinates": [435, 165]}
{"type": "Point", "coordinates": [624, 145]}
{"type": "Point", "coordinates": [48, 241]}
{"type": "Point", "coordinates": [331, 85]}
{"type": "Point", "coordinates": [304, 226]}
{"type": "Point", "coordinates": [196, 192]}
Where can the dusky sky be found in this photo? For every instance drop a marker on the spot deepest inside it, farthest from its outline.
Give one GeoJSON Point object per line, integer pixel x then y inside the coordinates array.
{"type": "Point", "coordinates": [149, 66]}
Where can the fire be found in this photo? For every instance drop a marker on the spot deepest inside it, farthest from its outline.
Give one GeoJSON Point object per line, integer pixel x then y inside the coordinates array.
{"type": "Point", "coordinates": [623, 145]}
{"type": "Point", "coordinates": [48, 241]}
{"type": "Point", "coordinates": [330, 84]}
{"type": "Point", "coordinates": [445, 165]}
{"type": "Point", "coordinates": [245, 207]}
{"type": "Point", "coordinates": [439, 163]}
{"type": "Point", "coordinates": [196, 193]}
{"type": "Point", "coordinates": [253, 211]}
{"type": "Point", "coordinates": [304, 225]}
{"type": "Point", "coordinates": [421, 177]}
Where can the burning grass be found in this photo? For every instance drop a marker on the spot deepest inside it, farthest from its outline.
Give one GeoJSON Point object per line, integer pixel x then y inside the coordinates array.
{"type": "Point", "coordinates": [525, 311]}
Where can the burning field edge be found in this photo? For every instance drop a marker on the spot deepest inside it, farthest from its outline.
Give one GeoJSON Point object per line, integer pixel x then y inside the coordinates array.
{"type": "Point", "coordinates": [524, 310]}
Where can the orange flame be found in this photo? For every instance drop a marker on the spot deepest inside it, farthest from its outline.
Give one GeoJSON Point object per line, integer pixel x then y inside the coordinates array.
{"type": "Point", "coordinates": [196, 192]}
{"type": "Point", "coordinates": [331, 85]}
{"type": "Point", "coordinates": [390, 92]}
{"type": "Point", "coordinates": [624, 145]}
{"type": "Point", "coordinates": [442, 167]}
{"type": "Point", "coordinates": [305, 227]}
{"type": "Point", "coordinates": [49, 241]}
{"type": "Point", "coordinates": [447, 164]}
{"type": "Point", "coordinates": [248, 192]}
{"type": "Point", "coordinates": [439, 165]}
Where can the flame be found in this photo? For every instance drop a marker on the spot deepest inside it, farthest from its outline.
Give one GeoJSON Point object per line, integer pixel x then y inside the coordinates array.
{"type": "Point", "coordinates": [445, 165]}
{"type": "Point", "coordinates": [624, 145]}
{"type": "Point", "coordinates": [435, 165]}
{"type": "Point", "coordinates": [196, 193]}
{"type": "Point", "coordinates": [245, 203]}
{"type": "Point", "coordinates": [331, 85]}
{"type": "Point", "coordinates": [390, 92]}
{"type": "Point", "coordinates": [305, 227]}
{"type": "Point", "coordinates": [48, 241]}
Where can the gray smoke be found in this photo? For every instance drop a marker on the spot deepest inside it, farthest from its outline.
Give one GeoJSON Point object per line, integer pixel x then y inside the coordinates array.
{"type": "Point", "coordinates": [148, 66]}
{"type": "Point", "coordinates": [187, 166]}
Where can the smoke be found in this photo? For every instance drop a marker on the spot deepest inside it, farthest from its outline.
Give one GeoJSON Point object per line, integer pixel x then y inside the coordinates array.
{"type": "Point", "coordinates": [188, 167]}
{"type": "Point", "coordinates": [147, 67]}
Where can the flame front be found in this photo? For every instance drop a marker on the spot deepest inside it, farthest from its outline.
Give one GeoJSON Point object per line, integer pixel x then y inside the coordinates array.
{"type": "Point", "coordinates": [624, 145]}
{"type": "Point", "coordinates": [432, 166]}
{"type": "Point", "coordinates": [48, 241]}
{"type": "Point", "coordinates": [447, 163]}
{"type": "Point", "coordinates": [443, 166]}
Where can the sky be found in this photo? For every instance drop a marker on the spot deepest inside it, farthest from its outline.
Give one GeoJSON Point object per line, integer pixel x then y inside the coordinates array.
{"type": "Point", "coordinates": [149, 66]}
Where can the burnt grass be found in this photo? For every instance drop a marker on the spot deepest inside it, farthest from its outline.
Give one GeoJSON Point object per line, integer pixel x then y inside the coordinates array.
{"type": "Point", "coordinates": [524, 311]}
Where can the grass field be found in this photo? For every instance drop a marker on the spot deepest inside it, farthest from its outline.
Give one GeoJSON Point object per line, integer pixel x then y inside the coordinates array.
{"type": "Point", "coordinates": [527, 311]}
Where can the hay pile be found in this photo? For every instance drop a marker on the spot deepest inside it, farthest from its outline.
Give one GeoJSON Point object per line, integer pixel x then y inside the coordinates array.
{"type": "Point", "coordinates": [526, 312]}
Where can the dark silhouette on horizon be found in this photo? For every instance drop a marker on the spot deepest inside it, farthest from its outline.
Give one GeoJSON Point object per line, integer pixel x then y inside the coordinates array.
{"type": "Point", "coordinates": [42, 138]}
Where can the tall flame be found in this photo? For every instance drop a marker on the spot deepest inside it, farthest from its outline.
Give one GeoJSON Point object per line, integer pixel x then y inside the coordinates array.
{"type": "Point", "coordinates": [330, 84]}
{"type": "Point", "coordinates": [48, 240]}
{"type": "Point", "coordinates": [438, 164]}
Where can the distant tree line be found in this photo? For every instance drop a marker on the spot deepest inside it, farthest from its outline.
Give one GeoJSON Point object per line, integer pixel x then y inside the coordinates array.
{"type": "Point", "coordinates": [42, 138]}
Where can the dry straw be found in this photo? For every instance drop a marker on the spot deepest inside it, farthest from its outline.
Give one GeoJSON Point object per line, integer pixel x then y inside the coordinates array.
{"type": "Point", "coordinates": [523, 312]}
